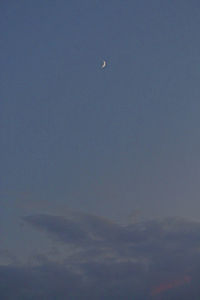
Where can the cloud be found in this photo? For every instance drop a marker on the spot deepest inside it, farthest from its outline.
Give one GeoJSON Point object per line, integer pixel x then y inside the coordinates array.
{"type": "Point", "coordinates": [170, 285]}
{"type": "Point", "coordinates": [95, 258]}
{"type": "Point", "coordinates": [80, 228]}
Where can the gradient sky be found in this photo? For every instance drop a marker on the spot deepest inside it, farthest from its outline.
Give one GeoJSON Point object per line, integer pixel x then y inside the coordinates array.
{"type": "Point", "coordinates": [110, 141]}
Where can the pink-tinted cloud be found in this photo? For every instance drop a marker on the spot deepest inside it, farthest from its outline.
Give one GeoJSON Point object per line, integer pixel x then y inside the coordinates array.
{"type": "Point", "coordinates": [170, 285]}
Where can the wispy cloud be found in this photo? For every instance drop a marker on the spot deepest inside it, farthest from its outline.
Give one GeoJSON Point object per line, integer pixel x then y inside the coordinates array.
{"type": "Point", "coordinates": [95, 258]}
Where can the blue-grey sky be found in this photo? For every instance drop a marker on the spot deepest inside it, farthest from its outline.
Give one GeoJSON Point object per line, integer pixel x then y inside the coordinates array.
{"type": "Point", "coordinates": [110, 142]}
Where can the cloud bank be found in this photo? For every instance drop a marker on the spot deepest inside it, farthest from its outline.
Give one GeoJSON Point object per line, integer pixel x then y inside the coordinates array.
{"type": "Point", "coordinates": [95, 258]}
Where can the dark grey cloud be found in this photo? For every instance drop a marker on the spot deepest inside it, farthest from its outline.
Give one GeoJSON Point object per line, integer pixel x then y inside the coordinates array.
{"type": "Point", "coordinates": [80, 228]}
{"type": "Point", "coordinates": [95, 258]}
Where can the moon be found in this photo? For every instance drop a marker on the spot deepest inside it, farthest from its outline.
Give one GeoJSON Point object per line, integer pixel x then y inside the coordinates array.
{"type": "Point", "coordinates": [103, 64]}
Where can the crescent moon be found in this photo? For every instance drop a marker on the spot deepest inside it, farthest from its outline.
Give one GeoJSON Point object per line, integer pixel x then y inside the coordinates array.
{"type": "Point", "coordinates": [104, 64]}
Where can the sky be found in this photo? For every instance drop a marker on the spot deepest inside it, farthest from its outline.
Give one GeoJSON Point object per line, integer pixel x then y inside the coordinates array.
{"type": "Point", "coordinates": [93, 159]}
